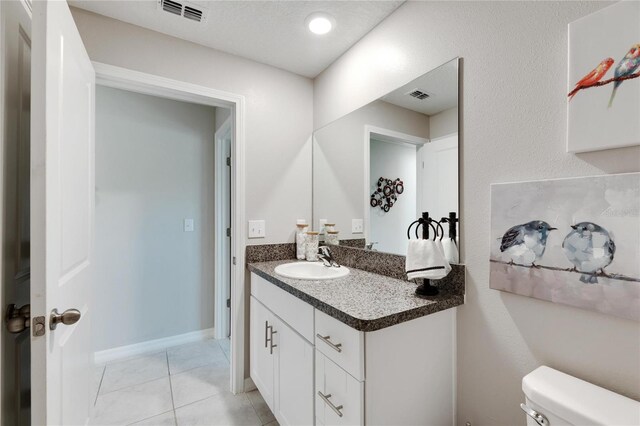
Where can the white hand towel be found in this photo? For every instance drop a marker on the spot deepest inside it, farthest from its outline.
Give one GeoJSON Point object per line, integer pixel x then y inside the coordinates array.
{"type": "Point", "coordinates": [425, 259]}
{"type": "Point", "coordinates": [450, 250]}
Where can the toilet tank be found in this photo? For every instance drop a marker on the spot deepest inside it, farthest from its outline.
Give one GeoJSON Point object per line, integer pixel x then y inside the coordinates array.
{"type": "Point", "coordinates": [566, 400]}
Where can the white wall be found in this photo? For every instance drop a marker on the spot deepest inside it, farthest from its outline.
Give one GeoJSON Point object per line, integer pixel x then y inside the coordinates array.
{"type": "Point", "coordinates": [393, 160]}
{"type": "Point", "coordinates": [338, 162]}
{"type": "Point", "coordinates": [513, 128]}
{"type": "Point", "coordinates": [279, 108]}
{"type": "Point", "coordinates": [154, 168]}
{"type": "Point", "coordinates": [443, 123]}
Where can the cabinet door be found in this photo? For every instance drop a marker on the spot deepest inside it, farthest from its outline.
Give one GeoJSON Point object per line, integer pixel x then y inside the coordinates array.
{"type": "Point", "coordinates": [294, 372]}
{"type": "Point", "coordinates": [339, 396]}
{"type": "Point", "coordinates": [262, 360]}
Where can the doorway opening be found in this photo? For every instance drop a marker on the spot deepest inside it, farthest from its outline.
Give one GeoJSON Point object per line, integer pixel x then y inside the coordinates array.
{"type": "Point", "coordinates": [161, 304]}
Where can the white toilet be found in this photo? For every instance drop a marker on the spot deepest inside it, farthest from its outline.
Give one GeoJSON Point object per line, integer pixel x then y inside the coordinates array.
{"type": "Point", "coordinates": [554, 398]}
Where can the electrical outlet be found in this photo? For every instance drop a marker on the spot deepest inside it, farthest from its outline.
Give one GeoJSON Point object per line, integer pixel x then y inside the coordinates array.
{"type": "Point", "coordinates": [188, 225]}
{"type": "Point", "coordinates": [321, 224]}
{"type": "Point", "coordinates": [257, 229]}
{"type": "Point", "coordinates": [357, 226]}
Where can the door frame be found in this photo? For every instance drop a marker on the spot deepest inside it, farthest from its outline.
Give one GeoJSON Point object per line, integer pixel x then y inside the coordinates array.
{"type": "Point", "coordinates": [390, 136]}
{"type": "Point", "coordinates": [221, 255]}
{"type": "Point", "coordinates": [150, 84]}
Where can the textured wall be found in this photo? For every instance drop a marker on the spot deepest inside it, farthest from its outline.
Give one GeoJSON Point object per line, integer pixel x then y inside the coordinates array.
{"type": "Point", "coordinates": [278, 111]}
{"type": "Point", "coordinates": [514, 115]}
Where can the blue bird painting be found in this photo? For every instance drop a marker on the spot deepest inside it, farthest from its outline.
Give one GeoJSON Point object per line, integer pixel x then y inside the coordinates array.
{"type": "Point", "coordinates": [590, 248]}
{"type": "Point", "coordinates": [625, 68]}
{"type": "Point", "coordinates": [526, 243]}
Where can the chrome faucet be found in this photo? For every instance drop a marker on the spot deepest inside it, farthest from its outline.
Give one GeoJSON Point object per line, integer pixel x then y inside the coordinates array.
{"type": "Point", "coordinates": [324, 254]}
{"type": "Point", "coordinates": [369, 246]}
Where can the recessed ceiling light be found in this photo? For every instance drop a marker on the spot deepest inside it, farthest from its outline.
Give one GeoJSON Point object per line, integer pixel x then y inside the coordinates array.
{"type": "Point", "coordinates": [320, 23]}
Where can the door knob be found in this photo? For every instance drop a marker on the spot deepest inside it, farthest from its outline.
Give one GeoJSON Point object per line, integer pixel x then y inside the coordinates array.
{"type": "Point", "coordinates": [68, 317]}
{"type": "Point", "coordinates": [17, 320]}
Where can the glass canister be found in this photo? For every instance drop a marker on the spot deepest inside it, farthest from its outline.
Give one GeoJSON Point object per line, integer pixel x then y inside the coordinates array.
{"type": "Point", "coordinates": [301, 240]}
{"type": "Point", "coordinates": [332, 238]}
{"type": "Point", "coordinates": [311, 248]}
{"type": "Point", "coordinates": [329, 227]}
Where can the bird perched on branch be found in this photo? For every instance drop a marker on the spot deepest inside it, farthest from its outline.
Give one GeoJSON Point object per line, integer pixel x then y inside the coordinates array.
{"type": "Point", "coordinates": [525, 243]}
{"type": "Point", "coordinates": [590, 248]}
{"type": "Point", "coordinates": [627, 66]}
{"type": "Point", "coordinates": [594, 76]}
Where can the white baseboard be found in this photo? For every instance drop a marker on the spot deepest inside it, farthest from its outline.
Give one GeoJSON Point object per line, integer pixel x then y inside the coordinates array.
{"type": "Point", "coordinates": [249, 385]}
{"type": "Point", "coordinates": [108, 355]}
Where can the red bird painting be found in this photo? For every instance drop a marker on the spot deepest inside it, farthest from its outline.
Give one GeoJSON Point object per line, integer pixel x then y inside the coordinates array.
{"type": "Point", "coordinates": [593, 77]}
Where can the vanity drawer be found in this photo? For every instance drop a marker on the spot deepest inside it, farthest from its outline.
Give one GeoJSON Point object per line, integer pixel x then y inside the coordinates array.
{"type": "Point", "coordinates": [339, 396]}
{"type": "Point", "coordinates": [296, 313]}
{"type": "Point", "coordinates": [340, 343]}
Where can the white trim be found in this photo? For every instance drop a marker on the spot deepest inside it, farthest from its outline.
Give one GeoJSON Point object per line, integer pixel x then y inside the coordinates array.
{"type": "Point", "coordinates": [221, 255]}
{"type": "Point", "coordinates": [249, 385]}
{"type": "Point", "coordinates": [121, 352]}
{"type": "Point", "coordinates": [122, 78]}
{"type": "Point", "coordinates": [390, 136]}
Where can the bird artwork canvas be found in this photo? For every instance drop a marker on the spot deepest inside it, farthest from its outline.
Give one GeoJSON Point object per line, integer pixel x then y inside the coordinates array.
{"type": "Point", "coordinates": [603, 94]}
{"type": "Point", "coordinates": [573, 241]}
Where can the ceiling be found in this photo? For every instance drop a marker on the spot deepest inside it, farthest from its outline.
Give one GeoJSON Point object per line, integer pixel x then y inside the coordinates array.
{"type": "Point", "coordinates": [271, 32]}
{"type": "Point", "coordinates": [441, 84]}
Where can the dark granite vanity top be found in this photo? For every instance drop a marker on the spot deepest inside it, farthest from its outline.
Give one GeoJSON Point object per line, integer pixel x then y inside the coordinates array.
{"type": "Point", "coordinates": [363, 300]}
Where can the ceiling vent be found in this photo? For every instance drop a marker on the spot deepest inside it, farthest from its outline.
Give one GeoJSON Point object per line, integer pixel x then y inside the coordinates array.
{"type": "Point", "coordinates": [186, 10]}
{"type": "Point", "coordinates": [418, 94]}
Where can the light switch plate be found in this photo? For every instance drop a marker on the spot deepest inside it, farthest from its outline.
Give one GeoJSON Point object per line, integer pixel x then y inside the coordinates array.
{"type": "Point", "coordinates": [188, 225]}
{"type": "Point", "coordinates": [257, 229]}
{"type": "Point", "coordinates": [321, 223]}
{"type": "Point", "coordinates": [357, 226]}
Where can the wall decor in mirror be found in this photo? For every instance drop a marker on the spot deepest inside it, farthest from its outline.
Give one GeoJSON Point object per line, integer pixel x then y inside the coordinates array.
{"type": "Point", "coordinates": [390, 160]}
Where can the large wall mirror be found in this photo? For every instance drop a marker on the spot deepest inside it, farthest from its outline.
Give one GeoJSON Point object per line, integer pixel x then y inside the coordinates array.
{"type": "Point", "coordinates": [405, 144]}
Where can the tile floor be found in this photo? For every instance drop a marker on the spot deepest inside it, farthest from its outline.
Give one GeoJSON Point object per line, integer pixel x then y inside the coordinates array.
{"type": "Point", "coordinates": [184, 385]}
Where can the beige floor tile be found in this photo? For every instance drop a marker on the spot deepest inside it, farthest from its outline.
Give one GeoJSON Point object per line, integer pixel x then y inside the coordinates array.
{"type": "Point", "coordinates": [122, 374]}
{"type": "Point", "coordinates": [165, 419]}
{"type": "Point", "coordinates": [200, 383]}
{"type": "Point", "coordinates": [186, 357]}
{"type": "Point", "coordinates": [133, 404]}
{"type": "Point", "coordinates": [261, 407]}
{"type": "Point", "coordinates": [224, 409]}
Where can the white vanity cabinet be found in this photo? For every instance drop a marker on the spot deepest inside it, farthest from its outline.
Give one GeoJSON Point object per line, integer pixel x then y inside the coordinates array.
{"type": "Point", "coordinates": [281, 358]}
{"type": "Point", "coordinates": [314, 369]}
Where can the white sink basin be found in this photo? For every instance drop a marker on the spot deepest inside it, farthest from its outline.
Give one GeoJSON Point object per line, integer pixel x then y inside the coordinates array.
{"type": "Point", "coordinates": [310, 271]}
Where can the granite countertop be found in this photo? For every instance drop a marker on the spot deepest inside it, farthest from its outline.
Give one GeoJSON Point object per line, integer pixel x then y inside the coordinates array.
{"type": "Point", "coordinates": [362, 300]}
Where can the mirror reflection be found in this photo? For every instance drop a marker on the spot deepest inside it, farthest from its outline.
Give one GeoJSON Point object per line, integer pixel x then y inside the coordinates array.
{"type": "Point", "coordinates": [378, 168]}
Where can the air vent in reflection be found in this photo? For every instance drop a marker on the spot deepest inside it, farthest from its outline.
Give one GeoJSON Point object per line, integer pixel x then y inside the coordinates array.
{"type": "Point", "coordinates": [186, 10]}
{"type": "Point", "coordinates": [418, 94]}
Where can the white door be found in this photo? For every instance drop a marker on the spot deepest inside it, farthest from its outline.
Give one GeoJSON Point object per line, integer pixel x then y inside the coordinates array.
{"type": "Point", "coordinates": [262, 355]}
{"type": "Point", "coordinates": [62, 215]}
{"type": "Point", "coordinates": [294, 377]}
{"type": "Point", "coordinates": [438, 177]}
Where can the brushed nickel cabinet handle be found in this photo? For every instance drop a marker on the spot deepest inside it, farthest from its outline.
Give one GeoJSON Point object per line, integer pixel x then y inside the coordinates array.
{"type": "Point", "coordinates": [325, 398]}
{"type": "Point", "coordinates": [335, 346]}
{"type": "Point", "coordinates": [271, 340]}
{"type": "Point", "coordinates": [266, 333]}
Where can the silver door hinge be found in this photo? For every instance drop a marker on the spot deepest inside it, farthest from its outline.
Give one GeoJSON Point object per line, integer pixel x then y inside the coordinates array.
{"type": "Point", "coordinates": [228, 232]}
{"type": "Point", "coordinates": [228, 161]}
{"type": "Point", "coordinates": [234, 260]}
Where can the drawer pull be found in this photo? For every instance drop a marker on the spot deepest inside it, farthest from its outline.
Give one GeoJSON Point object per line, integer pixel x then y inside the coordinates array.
{"type": "Point", "coordinates": [266, 333]}
{"type": "Point", "coordinates": [325, 398]}
{"type": "Point", "coordinates": [336, 346]}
